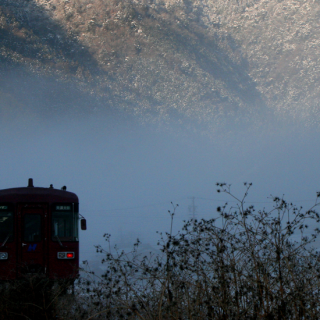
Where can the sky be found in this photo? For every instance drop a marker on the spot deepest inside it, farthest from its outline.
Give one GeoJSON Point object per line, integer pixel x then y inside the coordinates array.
{"type": "Point", "coordinates": [126, 174]}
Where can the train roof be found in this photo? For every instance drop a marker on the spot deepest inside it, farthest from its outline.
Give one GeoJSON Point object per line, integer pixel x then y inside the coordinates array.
{"type": "Point", "coordinates": [37, 194]}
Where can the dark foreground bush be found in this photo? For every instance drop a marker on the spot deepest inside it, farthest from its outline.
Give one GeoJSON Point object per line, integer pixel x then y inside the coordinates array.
{"type": "Point", "coordinates": [251, 264]}
{"type": "Point", "coordinates": [32, 297]}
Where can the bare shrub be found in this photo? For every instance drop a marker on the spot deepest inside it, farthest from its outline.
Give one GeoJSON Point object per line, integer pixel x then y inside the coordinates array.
{"type": "Point", "coordinates": [251, 264]}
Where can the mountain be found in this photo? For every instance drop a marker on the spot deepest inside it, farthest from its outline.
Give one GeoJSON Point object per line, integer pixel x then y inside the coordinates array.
{"type": "Point", "coordinates": [200, 60]}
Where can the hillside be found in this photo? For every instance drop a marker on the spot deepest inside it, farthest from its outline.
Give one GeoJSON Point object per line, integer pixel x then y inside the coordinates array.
{"type": "Point", "coordinates": [204, 60]}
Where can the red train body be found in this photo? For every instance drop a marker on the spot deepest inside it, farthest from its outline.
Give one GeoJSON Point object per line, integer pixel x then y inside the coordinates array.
{"type": "Point", "coordinates": [39, 233]}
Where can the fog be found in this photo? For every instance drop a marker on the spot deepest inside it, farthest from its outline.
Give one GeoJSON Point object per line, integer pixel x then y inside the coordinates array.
{"type": "Point", "coordinates": [126, 174]}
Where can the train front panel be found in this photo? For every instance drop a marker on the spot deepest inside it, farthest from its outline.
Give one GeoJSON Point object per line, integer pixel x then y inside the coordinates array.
{"type": "Point", "coordinates": [64, 241]}
{"type": "Point", "coordinates": [39, 233]}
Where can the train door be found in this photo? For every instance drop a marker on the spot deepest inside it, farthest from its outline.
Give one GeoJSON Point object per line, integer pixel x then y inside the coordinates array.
{"type": "Point", "coordinates": [33, 238]}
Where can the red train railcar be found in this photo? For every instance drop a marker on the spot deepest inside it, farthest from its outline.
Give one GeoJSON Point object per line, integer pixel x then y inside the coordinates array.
{"type": "Point", "coordinates": [39, 233]}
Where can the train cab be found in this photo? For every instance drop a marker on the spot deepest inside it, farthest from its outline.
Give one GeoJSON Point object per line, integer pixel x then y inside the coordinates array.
{"type": "Point", "coordinates": [39, 233]}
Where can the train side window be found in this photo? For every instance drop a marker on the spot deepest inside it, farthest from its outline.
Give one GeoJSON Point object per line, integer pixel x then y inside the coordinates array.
{"type": "Point", "coordinates": [6, 227]}
{"type": "Point", "coordinates": [32, 228]}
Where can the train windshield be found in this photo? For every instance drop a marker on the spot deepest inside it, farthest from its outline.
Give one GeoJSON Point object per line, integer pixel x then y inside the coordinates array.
{"type": "Point", "coordinates": [64, 224]}
{"type": "Point", "coordinates": [6, 227]}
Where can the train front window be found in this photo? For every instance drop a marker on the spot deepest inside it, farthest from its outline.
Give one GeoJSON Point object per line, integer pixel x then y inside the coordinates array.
{"type": "Point", "coordinates": [6, 227]}
{"type": "Point", "coordinates": [32, 228]}
{"type": "Point", "coordinates": [64, 225]}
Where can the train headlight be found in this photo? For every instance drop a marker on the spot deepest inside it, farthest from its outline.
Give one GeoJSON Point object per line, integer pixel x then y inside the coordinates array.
{"type": "Point", "coordinates": [3, 255]}
{"type": "Point", "coordinates": [65, 255]}
{"type": "Point", "coordinates": [61, 255]}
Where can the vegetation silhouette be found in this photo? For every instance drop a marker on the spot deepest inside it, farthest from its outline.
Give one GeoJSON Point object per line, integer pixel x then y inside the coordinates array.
{"type": "Point", "coordinates": [250, 264]}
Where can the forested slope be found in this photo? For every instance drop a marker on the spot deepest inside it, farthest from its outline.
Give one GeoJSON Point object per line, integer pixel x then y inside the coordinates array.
{"type": "Point", "coordinates": [203, 60]}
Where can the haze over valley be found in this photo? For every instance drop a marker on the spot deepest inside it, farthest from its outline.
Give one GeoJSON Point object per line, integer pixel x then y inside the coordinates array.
{"type": "Point", "coordinates": [134, 104]}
